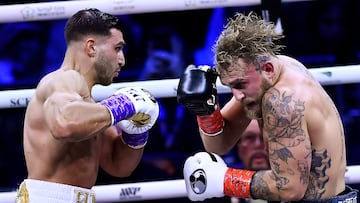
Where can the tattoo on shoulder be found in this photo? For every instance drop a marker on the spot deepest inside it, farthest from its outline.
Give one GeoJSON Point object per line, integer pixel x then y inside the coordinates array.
{"type": "Point", "coordinates": [282, 123]}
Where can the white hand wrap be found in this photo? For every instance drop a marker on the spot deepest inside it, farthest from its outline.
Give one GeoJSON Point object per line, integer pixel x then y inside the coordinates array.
{"type": "Point", "coordinates": [204, 176]}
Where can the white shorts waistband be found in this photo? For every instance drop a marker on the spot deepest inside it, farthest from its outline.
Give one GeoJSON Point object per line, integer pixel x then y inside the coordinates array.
{"type": "Point", "coordinates": [43, 191]}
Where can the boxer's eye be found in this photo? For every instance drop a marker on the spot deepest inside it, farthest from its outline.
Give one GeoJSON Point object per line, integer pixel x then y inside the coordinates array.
{"type": "Point", "coordinates": [240, 85]}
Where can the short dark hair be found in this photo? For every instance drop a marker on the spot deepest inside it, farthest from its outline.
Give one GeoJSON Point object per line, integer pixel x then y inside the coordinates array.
{"type": "Point", "coordinates": [90, 21]}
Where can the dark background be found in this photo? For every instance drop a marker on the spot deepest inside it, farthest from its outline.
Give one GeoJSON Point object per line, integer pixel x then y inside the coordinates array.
{"type": "Point", "coordinates": [320, 33]}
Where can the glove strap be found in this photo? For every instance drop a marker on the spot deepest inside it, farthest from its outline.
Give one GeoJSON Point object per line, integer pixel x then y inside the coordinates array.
{"type": "Point", "coordinates": [211, 125]}
{"type": "Point", "coordinates": [237, 183]}
{"type": "Point", "coordinates": [119, 106]}
{"type": "Point", "coordinates": [135, 141]}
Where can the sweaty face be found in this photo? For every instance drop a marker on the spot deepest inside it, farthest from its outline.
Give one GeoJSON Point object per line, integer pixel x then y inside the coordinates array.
{"type": "Point", "coordinates": [110, 57]}
{"type": "Point", "coordinates": [247, 85]}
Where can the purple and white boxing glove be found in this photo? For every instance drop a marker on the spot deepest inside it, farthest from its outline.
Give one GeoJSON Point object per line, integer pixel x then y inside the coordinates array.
{"type": "Point", "coordinates": [134, 111]}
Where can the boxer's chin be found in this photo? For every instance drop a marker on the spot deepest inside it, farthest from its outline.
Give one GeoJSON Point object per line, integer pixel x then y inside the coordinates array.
{"type": "Point", "coordinates": [253, 111]}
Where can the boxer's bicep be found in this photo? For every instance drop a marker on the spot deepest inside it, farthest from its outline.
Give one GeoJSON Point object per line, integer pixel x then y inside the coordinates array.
{"type": "Point", "coordinates": [54, 109]}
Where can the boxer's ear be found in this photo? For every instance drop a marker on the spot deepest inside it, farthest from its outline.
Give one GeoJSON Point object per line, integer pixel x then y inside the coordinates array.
{"type": "Point", "coordinates": [267, 67]}
{"type": "Point", "coordinates": [90, 47]}
{"type": "Point", "coordinates": [268, 70]}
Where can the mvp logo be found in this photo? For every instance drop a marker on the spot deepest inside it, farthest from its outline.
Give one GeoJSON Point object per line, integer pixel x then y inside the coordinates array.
{"type": "Point", "coordinates": [129, 192]}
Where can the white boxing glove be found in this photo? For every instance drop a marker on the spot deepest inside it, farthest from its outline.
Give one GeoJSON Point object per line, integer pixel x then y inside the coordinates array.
{"type": "Point", "coordinates": [133, 111]}
{"type": "Point", "coordinates": [146, 110]}
{"type": "Point", "coordinates": [204, 176]}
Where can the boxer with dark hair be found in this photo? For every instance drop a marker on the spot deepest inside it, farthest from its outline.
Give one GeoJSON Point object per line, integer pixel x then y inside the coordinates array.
{"type": "Point", "coordinates": [67, 135]}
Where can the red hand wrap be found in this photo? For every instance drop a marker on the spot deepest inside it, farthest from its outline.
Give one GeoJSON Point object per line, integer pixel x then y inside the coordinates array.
{"type": "Point", "coordinates": [237, 183]}
{"type": "Point", "coordinates": [212, 124]}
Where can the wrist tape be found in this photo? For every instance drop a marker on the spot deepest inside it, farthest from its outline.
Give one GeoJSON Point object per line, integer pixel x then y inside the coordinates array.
{"type": "Point", "coordinates": [211, 125]}
{"type": "Point", "coordinates": [119, 106]}
{"type": "Point", "coordinates": [237, 183]}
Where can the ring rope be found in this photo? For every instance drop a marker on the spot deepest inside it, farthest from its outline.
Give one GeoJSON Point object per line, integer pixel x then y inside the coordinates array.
{"type": "Point", "coordinates": [167, 88]}
{"type": "Point", "coordinates": [153, 190]}
{"type": "Point", "coordinates": [64, 9]}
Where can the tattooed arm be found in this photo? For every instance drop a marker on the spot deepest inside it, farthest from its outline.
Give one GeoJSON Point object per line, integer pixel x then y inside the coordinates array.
{"type": "Point", "coordinates": [285, 129]}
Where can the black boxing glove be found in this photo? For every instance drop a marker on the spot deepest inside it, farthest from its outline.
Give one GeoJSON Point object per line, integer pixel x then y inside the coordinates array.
{"type": "Point", "coordinates": [197, 92]}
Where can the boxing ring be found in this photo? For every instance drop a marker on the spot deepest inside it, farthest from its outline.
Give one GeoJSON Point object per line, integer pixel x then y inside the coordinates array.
{"type": "Point", "coordinates": [151, 190]}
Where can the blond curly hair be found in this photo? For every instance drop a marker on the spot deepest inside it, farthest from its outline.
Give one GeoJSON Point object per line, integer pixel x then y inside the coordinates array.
{"type": "Point", "coordinates": [247, 37]}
